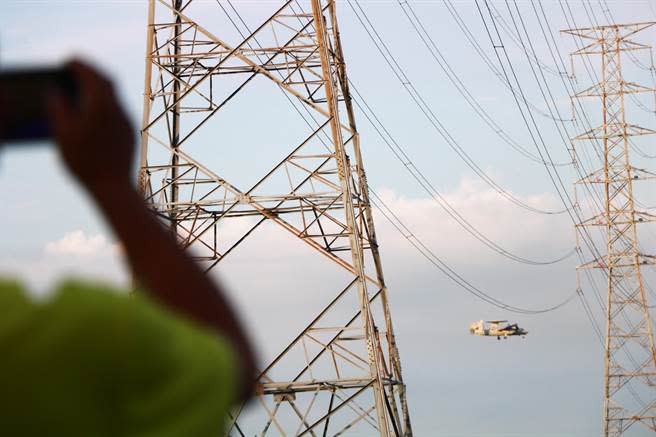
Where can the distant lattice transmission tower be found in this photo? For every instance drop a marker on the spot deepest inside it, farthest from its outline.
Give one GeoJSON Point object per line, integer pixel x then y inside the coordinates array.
{"type": "Point", "coordinates": [342, 373]}
{"type": "Point", "coordinates": [630, 358]}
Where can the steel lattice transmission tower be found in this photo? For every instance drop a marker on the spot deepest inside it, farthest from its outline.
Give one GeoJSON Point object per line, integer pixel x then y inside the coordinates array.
{"type": "Point", "coordinates": [630, 358]}
{"type": "Point", "coordinates": [342, 372]}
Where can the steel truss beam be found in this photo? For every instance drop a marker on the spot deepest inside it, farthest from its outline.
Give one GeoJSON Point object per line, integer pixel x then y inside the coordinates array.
{"type": "Point", "coordinates": [630, 357]}
{"type": "Point", "coordinates": [349, 374]}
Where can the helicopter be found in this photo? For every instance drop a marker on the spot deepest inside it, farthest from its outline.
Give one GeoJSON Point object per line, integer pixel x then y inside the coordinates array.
{"type": "Point", "coordinates": [494, 328]}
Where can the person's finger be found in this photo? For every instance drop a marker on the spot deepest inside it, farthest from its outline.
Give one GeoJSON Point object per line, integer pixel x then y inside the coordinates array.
{"type": "Point", "coordinates": [60, 113]}
{"type": "Point", "coordinates": [3, 114]}
{"type": "Point", "coordinates": [83, 71]}
{"type": "Point", "coordinates": [95, 90]}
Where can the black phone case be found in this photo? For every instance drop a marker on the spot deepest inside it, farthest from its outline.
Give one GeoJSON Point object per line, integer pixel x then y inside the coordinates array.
{"type": "Point", "coordinates": [23, 99]}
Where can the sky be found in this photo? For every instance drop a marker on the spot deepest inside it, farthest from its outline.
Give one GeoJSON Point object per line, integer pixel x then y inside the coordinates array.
{"type": "Point", "coordinates": [549, 384]}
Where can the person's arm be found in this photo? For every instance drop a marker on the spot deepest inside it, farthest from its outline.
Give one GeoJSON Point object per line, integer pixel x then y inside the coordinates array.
{"type": "Point", "coordinates": [96, 142]}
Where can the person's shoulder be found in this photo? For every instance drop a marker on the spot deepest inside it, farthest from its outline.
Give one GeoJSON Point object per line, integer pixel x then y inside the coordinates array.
{"type": "Point", "coordinates": [15, 303]}
{"type": "Point", "coordinates": [75, 289]}
{"type": "Point", "coordinates": [87, 302]}
{"type": "Point", "coordinates": [11, 289]}
{"type": "Point", "coordinates": [193, 362]}
{"type": "Point", "coordinates": [113, 310]}
{"type": "Point", "coordinates": [139, 320]}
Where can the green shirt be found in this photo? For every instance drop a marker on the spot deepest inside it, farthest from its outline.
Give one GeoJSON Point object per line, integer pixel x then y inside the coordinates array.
{"type": "Point", "coordinates": [90, 362]}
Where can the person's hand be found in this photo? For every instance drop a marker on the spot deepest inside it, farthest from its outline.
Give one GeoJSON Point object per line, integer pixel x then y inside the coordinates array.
{"type": "Point", "coordinates": [94, 136]}
{"type": "Point", "coordinates": [96, 143]}
{"type": "Point", "coordinates": [3, 109]}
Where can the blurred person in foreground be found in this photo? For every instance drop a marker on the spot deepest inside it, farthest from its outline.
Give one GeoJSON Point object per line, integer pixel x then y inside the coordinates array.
{"type": "Point", "coordinates": [168, 361]}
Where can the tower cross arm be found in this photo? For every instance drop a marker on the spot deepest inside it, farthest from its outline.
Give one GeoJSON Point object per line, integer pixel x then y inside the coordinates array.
{"type": "Point", "coordinates": [613, 88]}
{"type": "Point", "coordinates": [614, 130]}
{"type": "Point", "coordinates": [595, 32]}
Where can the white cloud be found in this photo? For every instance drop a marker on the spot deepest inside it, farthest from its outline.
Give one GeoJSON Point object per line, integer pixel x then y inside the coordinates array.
{"type": "Point", "coordinates": [78, 243]}
{"type": "Point", "coordinates": [518, 230]}
{"type": "Point", "coordinates": [76, 254]}
{"type": "Point", "coordinates": [279, 284]}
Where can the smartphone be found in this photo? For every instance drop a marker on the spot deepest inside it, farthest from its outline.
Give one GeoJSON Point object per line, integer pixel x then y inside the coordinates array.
{"type": "Point", "coordinates": [23, 97]}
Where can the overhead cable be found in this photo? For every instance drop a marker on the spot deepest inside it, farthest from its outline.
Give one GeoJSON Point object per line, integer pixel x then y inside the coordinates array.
{"type": "Point", "coordinates": [402, 156]}
{"type": "Point", "coordinates": [428, 112]}
{"type": "Point", "coordinates": [454, 78]}
{"type": "Point", "coordinates": [427, 253]}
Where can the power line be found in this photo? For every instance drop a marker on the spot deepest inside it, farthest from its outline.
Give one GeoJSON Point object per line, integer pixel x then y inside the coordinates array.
{"type": "Point", "coordinates": [474, 43]}
{"type": "Point", "coordinates": [481, 53]}
{"type": "Point", "coordinates": [423, 181]}
{"type": "Point", "coordinates": [534, 136]}
{"type": "Point", "coordinates": [590, 70]}
{"type": "Point", "coordinates": [425, 184]}
{"type": "Point", "coordinates": [438, 263]}
{"type": "Point", "coordinates": [544, 79]}
{"type": "Point", "coordinates": [587, 238]}
{"type": "Point", "coordinates": [454, 78]}
{"type": "Point", "coordinates": [517, 42]}
{"type": "Point", "coordinates": [565, 196]}
{"type": "Point", "coordinates": [428, 112]}
{"type": "Point", "coordinates": [500, 74]}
